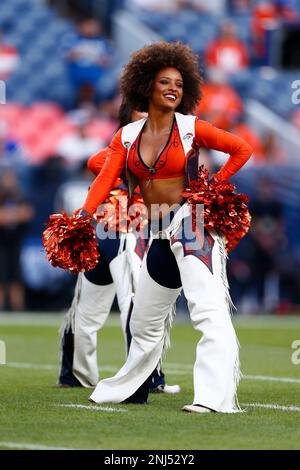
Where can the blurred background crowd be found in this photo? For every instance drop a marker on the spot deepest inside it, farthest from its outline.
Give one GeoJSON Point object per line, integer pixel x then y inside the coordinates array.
{"type": "Point", "coordinates": [60, 63]}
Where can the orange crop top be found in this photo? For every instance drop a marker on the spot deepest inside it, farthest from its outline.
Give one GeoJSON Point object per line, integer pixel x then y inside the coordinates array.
{"type": "Point", "coordinates": [170, 163]}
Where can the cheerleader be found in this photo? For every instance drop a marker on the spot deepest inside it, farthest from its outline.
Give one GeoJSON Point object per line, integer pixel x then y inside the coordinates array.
{"type": "Point", "coordinates": [163, 79]}
{"type": "Point", "coordinates": [116, 273]}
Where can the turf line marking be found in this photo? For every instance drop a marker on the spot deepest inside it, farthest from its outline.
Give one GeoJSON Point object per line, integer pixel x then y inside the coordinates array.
{"type": "Point", "coordinates": [267, 378]}
{"type": "Point", "coordinates": [173, 365]}
{"type": "Point", "coordinates": [25, 365]}
{"type": "Point", "coordinates": [93, 407]}
{"type": "Point", "coordinates": [272, 407]}
{"type": "Point", "coordinates": [171, 369]}
{"type": "Point", "coordinates": [20, 445]}
{"type": "Point", "coordinates": [181, 368]}
{"type": "Point", "coordinates": [177, 372]}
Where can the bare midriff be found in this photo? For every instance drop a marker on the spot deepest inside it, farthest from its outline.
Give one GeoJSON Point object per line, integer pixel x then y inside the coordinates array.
{"type": "Point", "coordinates": [161, 194]}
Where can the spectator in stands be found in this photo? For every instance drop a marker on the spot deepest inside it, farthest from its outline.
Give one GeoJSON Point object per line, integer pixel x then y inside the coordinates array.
{"type": "Point", "coordinates": [75, 148]}
{"type": "Point", "coordinates": [255, 274]}
{"type": "Point", "coordinates": [12, 156]}
{"type": "Point", "coordinates": [284, 9]}
{"type": "Point", "coordinates": [9, 59]}
{"type": "Point", "coordinates": [213, 6]}
{"type": "Point", "coordinates": [267, 149]}
{"type": "Point", "coordinates": [70, 194]}
{"type": "Point", "coordinates": [273, 149]}
{"type": "Point", "coordinates": [110, 109]}
{"type": "Point", "coordinates": [239, 6]}
{"type": "Point", "coordinates": [88, 59]}
{"type": "Point", "coordinates": [3, 133]}
{"type": "Point", "coordinates": [267, 15]}
{"type": "Point", "coordinates": [268, 238]}
{"type": "Point", "coordinates": [227, 52]}
{"type": "Point", "coordinates": [220, 103]}
{"type": "Point", "coordinates": [103, 9]}
{"type": "Point", "coordinates": [45, 180]}
{"type": "Point", "coordinates": [153, 5]}
{"type": "Point", "coordinates": [243, 130]}
{"type": "Point", "coordinates": [169, 6]}
{"type": "Point", "coordinates": [46, 289]}
{"type": "Point", "coordinates": [15, 213]}
{"type": "Point", "coordinates": [295, 120]}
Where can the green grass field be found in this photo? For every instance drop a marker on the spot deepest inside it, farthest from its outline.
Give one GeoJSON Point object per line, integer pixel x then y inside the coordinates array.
{"type": "Point", "coordinates": [34, 415]}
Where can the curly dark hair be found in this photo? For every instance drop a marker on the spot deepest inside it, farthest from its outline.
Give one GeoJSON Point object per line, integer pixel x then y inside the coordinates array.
{"type": "Point", "coordinates": [138, 75]}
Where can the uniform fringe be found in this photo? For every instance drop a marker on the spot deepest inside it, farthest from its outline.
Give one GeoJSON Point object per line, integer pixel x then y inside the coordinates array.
{"type": "Point", "coordinates": [167, 336]}
{"type": "Point", "coordinates": [224, 257]}
{"type": "Point", "coordinates": [237, 375]}
{"type": "Point", "coordinates": [69, 321]}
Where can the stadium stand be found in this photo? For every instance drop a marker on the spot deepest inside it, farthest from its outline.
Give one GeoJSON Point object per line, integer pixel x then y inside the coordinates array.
{"type": "Point", "coordinates": [42, 37]}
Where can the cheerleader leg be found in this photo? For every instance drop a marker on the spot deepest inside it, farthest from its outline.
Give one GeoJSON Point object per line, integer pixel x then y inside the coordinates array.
{"type": "Point", "coordinates": [203, 274]}
{"type": "Point", "coordinates": [93, 298]}
{"type": "Point", "coordinates": [125, 269]}
{"type": "Point", "coordinates": [93, 309]}
{"type": "Point", "coordinates": [152, 306]}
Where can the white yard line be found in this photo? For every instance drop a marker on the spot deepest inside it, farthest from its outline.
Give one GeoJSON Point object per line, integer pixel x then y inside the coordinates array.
{"type": "Point", "coordinates": [177, 369]}
{"type": "Point", "coordinates": [26, 446]}
{"type": "Point", "coordinates": [177, 372]}
{"type": "Point", "coordinates": [267, 378]}
{"type": "Point", "coordinates": [25, 365]}
{"type": "Point", "coordinates": [93, 407]}
{"type": "Point", "coordinates": [181, 369]}
{"type": "Point", "coordinates": [27, 319]}
{"type": "Point", "coordinates": [242, 322]}
{"type": "Point", "coordinates": [45, 319]}
{"type": "Point", "coordinates": [171, 369]}
{"type": "Point", "coordinates": [173, 365]}
{"type": "Point", "coordinates": [272, 406]}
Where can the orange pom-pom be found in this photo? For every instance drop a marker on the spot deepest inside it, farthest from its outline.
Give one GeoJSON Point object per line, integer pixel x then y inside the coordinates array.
{"type": "Point", "coordinates": [224, 209]}
{"type": "Point", "coordinates": [123, 215]}
{"type": "Point", "coordinates": [70, 242]}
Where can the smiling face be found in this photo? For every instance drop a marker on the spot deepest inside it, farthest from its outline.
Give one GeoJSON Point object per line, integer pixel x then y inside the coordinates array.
{"type": "Point", "coordinates": [167, 89]}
